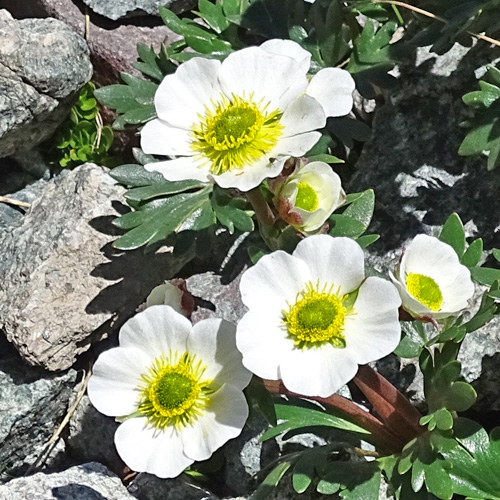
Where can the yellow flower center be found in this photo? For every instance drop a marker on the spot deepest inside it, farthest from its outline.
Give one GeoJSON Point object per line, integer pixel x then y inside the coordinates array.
{"type": "Point", "coordinates": [235, 133]}
{"type": "Point", "coordinates": [425, 290]}
{"type": "Point", "coordinates": [172, 391]}
{"type": "Point", "coordinates": [316, 318]}
{"type": "Point", "coordinates": [307, 198]}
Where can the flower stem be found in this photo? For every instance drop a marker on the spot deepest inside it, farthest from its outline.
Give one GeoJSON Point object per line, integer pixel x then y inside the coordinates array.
{"type": "Point", "coordinates": [380, 435]}
{"type": "Point", "coordinates": [397, 413]}
{"type": "Point", "coordinates": [262, 209]}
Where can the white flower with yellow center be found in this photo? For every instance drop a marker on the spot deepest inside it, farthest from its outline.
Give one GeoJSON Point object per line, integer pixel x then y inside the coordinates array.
{"type": "Point", "coordinates": [313, 316]}
{"type": "Point", "coordinates": [309, 196]}
{"type": "Point", "coordinates": [237, 122]}
{"type": "Point", "coordinates": [177, 388]}
{"type": "Point", "coordinates": [431, 280]}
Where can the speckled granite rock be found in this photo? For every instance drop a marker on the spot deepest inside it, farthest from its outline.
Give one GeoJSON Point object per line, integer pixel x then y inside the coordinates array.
{"type": "Point", "coordinates": [32, 405]}
{"type": "Point", "coordinates": [90, 481]}
{"type": "Point", "coordinates": [126, 8]}
{"type": "Point", "coordinates": [62, 285]}
{"type": "Point", "coordinates": [37, 81]}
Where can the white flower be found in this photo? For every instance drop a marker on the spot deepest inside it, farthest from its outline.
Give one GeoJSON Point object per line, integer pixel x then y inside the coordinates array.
{"type": "Point", "coordinates": [431, 280]}
{"type": "Point", "coordinates": [313, 316]}
{"type": "Point", "coordinates": [176, 387]}
{"type": "Point", "coordinates": [309, 196]}
{"type": "Point", "coordinates": [237, 122]}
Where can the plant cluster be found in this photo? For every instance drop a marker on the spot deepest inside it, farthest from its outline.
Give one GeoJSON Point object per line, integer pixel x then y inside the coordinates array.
{"type": "Point", "coordinates": [241, 121]}
{"type": "Point", "coordinates": [82, 137]}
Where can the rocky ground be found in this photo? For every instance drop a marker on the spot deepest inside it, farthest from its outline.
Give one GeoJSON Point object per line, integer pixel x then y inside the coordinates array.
{"type": "Point", "coordinates": [64, 291]}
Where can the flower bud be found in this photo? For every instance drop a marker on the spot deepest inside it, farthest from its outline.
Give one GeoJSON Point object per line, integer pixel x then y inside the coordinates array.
{"type": "Point", "coordinates": [309, 196]}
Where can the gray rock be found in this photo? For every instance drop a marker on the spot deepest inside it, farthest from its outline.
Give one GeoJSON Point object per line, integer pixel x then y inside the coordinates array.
{"type": "Point", "coordinates": [62, 285]}
{"type": "Point", "coordinates": [42, 64]}
{"type": "Point", "coordinates": [112, 45]}
{"type": "Point", "coordinates": [32, 405]}
{"type": "Point", "coordinates": [126, 8]}
{"type": "Point", "coordinates": [91, 437]}
{"type": "Point", "coordinates": [90, 481]}
{"type": "Point", "coordinates": [149, 487]}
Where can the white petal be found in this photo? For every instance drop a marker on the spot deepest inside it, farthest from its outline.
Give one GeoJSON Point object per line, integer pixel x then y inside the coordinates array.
{"type": "Point", "coordinates": [166, 294]}
{"type": "Point", "coordinates": [297, 145]}
{"type": "Point", "coordinates": [373, 331]}
{"type": "Point", "coordinates": [263, 342]}
{"type": "Point", "coordinates": [317, 371]}
{"type": "Point", "coordinates": [274, 280]}
{"type": "Point", "coordinates": [159, 138]}
{"type": "Point", "coordinates": [431, 257]}
{"type": "Point", "coordinates": [303, 115]}
{"type": "Point", "coordinates": [184, 94]}
{"type": "Point", "coordinates": [333, 88]}
{"type": "Point", "coordinates": [272, 78]}
{"type": "Point", "coordinates": [214, 340]}
{"type": "Point", "coordinates": [252, 175]}
{"type": "Point", "coordinates": [223, 420]}
{"type": "Point", "coordinates": [145, 449]}
{"type": "Point", "coordinates": [116, 375]}
{"type": "Point", "coordinates": [291, 49]}
{"type": "Point", "coordinates": [337, 261]}
{"type": "Point", "coordinates": [156, 330]}
{"type": "Point", "coordinates": [180, 169]}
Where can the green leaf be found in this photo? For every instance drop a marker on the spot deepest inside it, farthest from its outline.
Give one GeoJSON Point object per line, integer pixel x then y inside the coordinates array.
{"type": "Point", "coordinates": [326, 158]}
{"type": "Point", "coordinates": [362, 208]}
{"type": "Point", "coordinates": [161, 217]}
{"type": "Point", "coordinates": [485, 275]}
{"type": "Point", "coordinates": [296, 417]}
{"type": "Point", "coordinates": [355, 480]}
{"type": "Point", "coordinates": [162, 188]}
{"type": "Point", "coordinates": [473, 254]}
{"type": "Point", "coordinates": [231, 213]}
{"type": "Point", "coordinates": [343, 225]}
{"type": "Point", "coordinates": [474, 466]}
{"type": "Point", "coordinates": [272, 479]}
{"type": "Point", "coordinates": [438, 481]}
{"type": "Point", "coordinates": [135, 176]}
{"type": "Point", "coordinates": [149, 65]}
{"type": "Point", "coordinates": [258, 393]}
{"type": "Point", "coordinates": [118, 97]}
{"type": "Point", "coordinates": [453, 234]}
{"type": "Point", "coordinates": [142, 90]}
{"type": "Point", "coordinates": [309, 462]}
{"type": "Point", "coordinates": [213, 15]}
{"type": "Point", "coordinates": [367, 239]}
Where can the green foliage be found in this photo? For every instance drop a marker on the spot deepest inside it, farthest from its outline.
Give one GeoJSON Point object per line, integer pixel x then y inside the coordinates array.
{"type": "Point", "coordinates": [81, 137]}
{"type": "Point", "coordinates": [356, 218]}
{"type": "Point", "coordinates": [453, 234]}
{"type": "Point", "coordinates": [484, 136]}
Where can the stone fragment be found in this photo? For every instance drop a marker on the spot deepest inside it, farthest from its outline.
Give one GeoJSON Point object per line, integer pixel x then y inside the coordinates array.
{"type": "Point", "coordinates": [112, 45]}
{"type": "Point", "coordinates": [32, 405]}
{"type": "Point", "coordinates": [90, 481]}
{"type": "Point", "coordinates": [62, 285]}
{"type": "Point", "coordinates": [91, 437]}
{"type": "Point", "coordinates": [127, 8]}
{"type": "Point", "coordinates": [42, 64]}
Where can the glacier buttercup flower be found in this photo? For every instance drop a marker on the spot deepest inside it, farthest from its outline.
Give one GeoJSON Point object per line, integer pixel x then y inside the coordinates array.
{"type": "Point", "coordinates": [309, 196]}
{"type": "Point", "coordinates": [177, 388]}
{"type": "Point", "coordinates": [236, 122]}
{"type": "Point", "coordinates": [313, 316]}
{"type": "Point", "coordinates": [431, 280]}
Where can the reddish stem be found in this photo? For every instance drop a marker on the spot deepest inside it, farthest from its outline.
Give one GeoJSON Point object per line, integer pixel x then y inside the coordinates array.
{"type": "Point", "coordinates": [380, 434]}
{"type": "Point", "coordinates": [261, 207]}
{"type": "Point", "coordinates": [397, 413]}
